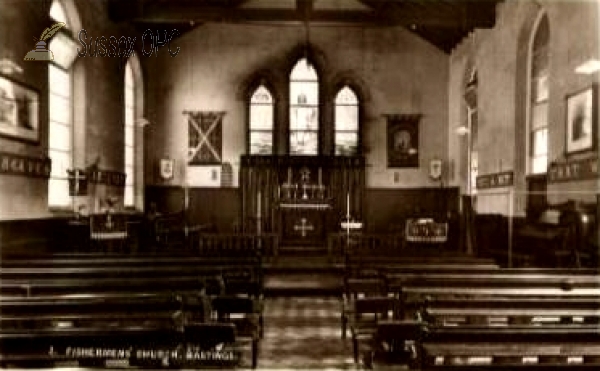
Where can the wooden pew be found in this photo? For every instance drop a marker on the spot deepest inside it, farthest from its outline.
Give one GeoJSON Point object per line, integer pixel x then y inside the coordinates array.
{"type": "Point", "coordinates": [497, 298]}
{"type": "Point", "coordinates": [20, 275]}
{"type": "Point", "coordinates": [504, 311]}
{"type": "Point", "coordinates": [487, 347]}
{"type": "Point", "coordinates": [140, 345]}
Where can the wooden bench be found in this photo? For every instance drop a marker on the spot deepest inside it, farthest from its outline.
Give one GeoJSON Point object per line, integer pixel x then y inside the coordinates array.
{"type": "Point", "coordinates": [486, 347]}
{"type": "Point", "coordinates": [179, 273]}
{"type": "Point", "coordinates": [498, 298]}
{"type": "Point", "coordinates": [193, 346]}
{"type": "Point", "coordinates": [502, 311]}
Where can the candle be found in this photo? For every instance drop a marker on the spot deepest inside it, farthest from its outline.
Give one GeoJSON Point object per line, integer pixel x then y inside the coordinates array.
{"type": "Point", "coordinates": [320, 177]}
{"type": "Point", "coordinates": [289, 179]}
{"type": "Point", "coordinates": [258, 213]}
{"type": "Point", "coordinates": [348, 205]}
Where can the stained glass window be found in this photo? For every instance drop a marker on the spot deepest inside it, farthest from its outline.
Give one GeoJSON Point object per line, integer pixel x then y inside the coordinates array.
{"type": "Point", "coordinates": [346, 122]}
{"type": "Point", "coordinates": [304, 109]}
{"type": "Point", "coordinates": [261, 122]}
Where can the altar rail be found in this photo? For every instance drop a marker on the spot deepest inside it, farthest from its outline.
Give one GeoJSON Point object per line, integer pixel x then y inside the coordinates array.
{"type": "Point", "coordinates": [340, 245]}
{"type": "Point", "coordinates": [263, 246]}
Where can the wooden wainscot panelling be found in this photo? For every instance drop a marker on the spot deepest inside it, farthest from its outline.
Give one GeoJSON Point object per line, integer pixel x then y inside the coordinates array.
{"type": "Point", "coordinates": [573, 170]}
{"type": "Point", "coordinates": [496, 180]}
{"type": "Point", "coordinates": [27, 166]}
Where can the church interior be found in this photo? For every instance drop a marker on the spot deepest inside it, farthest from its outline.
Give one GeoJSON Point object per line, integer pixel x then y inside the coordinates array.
{"type": "Point", "coordinates": [299, 184]}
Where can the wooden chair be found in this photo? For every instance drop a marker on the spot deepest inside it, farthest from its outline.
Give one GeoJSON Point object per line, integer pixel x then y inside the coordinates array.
{"type": "Point", "coordinates": [366, 314]}
{"type": "Point", "coordinates": [356, 288]}
{"type": "Point", "coordinates": [245, 314]}
{"type": "Point", "coordinates": [108, 231]}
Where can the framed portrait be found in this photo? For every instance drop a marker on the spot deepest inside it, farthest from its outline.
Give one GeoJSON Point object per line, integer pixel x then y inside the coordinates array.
{"type": "Point", "coordinates": [403, 140]}
{"type": "Point", "coordinates": [581, 120]}
{"type": "Point", "coordinates": [19, 110]}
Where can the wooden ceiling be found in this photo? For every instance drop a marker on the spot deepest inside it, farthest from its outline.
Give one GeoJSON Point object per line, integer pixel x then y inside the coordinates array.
{"type": "Point", "coordinates": [444, 23]}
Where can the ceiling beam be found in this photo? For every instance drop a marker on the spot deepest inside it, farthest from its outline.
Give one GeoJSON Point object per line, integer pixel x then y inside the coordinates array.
{"type": "Point", "coordinates": [395, 13]}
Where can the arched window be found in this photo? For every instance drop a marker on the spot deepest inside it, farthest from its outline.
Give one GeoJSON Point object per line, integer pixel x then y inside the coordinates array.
{"type": "Point", "coordinates": [538, 102]}
{"type": "Point", "coordinates": [133, 107]}
{"type": "Point", "coordinates": [470, 96]}
{"type": "Point", "coordinates": [304, 109]}
{"type": "Point", "coordinates": [60, 106]}
{"type": "Point", "coordinates": [261, 121]}
{"type": "Point", "coordinates": [346, 122]}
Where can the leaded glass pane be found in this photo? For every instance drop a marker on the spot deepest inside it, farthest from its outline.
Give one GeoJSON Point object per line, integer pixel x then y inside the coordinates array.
{"type": "Point", "coordinates": [129, 156]}
{"type": "Point", "coordinates": [303, 71]}
{"type": "Point", "coordinates": [540, 142]}
{"type": "Point", "coordinates": [129, 136]}
{"type": "Point", "coordinates": [129, 174]}
{"type": "Point", "coordinates": [60, 81]}
{"type": "Point", "coordinates": [60, 137]}
{"type": "Point", "coordinates": [346, 144]}
{"type": "Point", "coordinates": [540, 88]}
{"type": "Point", "coordinates": [346, 96]}
{"type": "Point", "coordinates": [261, 95]}
{"type": "Point", "coordinates": [58, 192]}
{"type": "Point", "coordinates": [304, 118]}
{"type": "Point", "coordinates": [61, 161]}
{"type": "Point", "coordinates": [129, 97]}
{"type": "Point", "coordinates": [129, 83]}
{"type": "Point", "coordinates": [539, 117]}
{"type": "Point", "coordinates": [261, 142]}
{"type": "Point", "coordinates": [60, 109]}
{"type": "Point", "coordinates": [57, 13]}
{"type": "Point", "coordinates": [304, 93]}
{"type": "Point", "coordinates": [128, 200]}
{"type": "Point", "coordinates": [539, 164]}
{"type": "Point", "coordinates": [346, 118]}
{"type": "Point", "coordinates": [304, 143]}
{"type": "Point", "coordinates": [261, 117]}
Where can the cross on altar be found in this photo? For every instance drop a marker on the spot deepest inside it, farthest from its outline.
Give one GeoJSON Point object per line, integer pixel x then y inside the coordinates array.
{"type": "Point", "coordinates": [303, 227]}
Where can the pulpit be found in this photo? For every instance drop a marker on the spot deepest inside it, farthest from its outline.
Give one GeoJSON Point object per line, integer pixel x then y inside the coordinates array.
{"type": "Point", "coordinates": [302, 198]}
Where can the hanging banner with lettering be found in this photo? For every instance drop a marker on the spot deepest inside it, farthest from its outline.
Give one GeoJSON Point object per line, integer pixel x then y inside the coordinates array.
{"type": "Point", "coordinates": [573, 170]}
{"type": "Point", "coordinates": [205, 137]}
{"type": "Point", "coordinates": [32, 167]}
{"type": "Point", "coordinates": [496, 180]}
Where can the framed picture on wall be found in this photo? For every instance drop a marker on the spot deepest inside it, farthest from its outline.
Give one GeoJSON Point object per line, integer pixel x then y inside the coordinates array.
{"type": "Point", "coordinates": [581, 120]}
{"type": "Point", "coordinates": [403, 140]}
{"type": "Point", "coordinates": [19, 110]}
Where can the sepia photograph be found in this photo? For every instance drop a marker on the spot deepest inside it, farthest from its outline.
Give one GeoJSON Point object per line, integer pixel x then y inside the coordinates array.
{"type": "Point", "coordinates": [293, 185]}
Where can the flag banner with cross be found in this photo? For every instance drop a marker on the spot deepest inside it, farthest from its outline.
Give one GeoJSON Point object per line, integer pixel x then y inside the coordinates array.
{"type": "Point", "coordinates": [205, 137]}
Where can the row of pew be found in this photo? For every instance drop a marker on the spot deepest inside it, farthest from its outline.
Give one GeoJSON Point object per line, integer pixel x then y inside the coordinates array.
{"type": "Point", "coordinates": [149, 311]}
{"type": "Point", "coordinates": [454, 316]}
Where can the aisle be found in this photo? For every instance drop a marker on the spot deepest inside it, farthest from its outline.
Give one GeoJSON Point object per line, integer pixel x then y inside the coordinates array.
{"type": "Point", "coordinates": [304, 333]}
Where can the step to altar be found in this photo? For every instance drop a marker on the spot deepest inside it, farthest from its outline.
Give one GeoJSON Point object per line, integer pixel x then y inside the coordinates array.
{"type": "Point", "coordinates": [303, 276]}
{"type": "Point", "coordinates": [302, 250]}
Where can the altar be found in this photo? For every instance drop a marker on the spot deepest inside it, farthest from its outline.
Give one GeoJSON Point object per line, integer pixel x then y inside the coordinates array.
{"type": "Point", "coordinates": [301, 198]}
